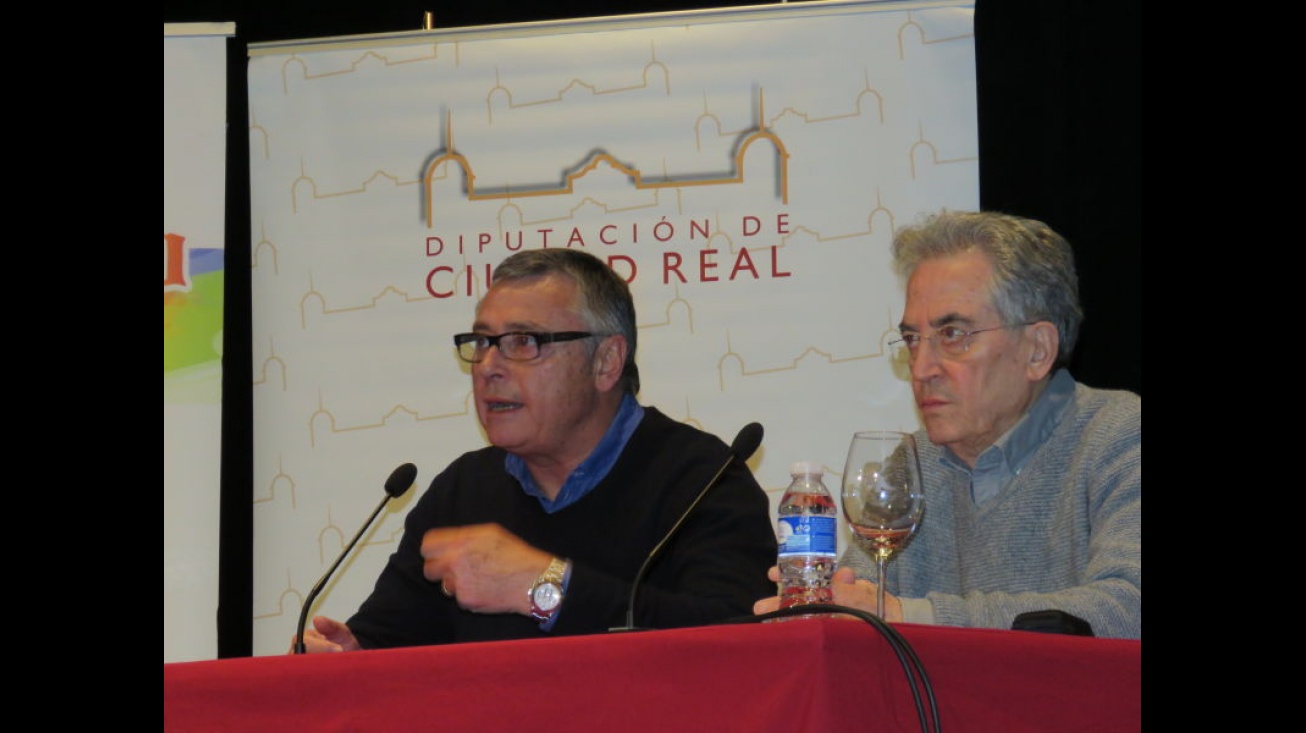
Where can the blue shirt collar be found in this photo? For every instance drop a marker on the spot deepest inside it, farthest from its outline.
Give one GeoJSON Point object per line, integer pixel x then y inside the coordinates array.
{"type": "Point", "coordinates": [1005, 459]}
{"type": "Point", "coordinates": [593, 469]}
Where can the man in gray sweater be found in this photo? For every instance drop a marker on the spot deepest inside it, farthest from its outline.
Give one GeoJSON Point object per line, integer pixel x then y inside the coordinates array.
{"type": "Point", "coordinates": [1033, 481]}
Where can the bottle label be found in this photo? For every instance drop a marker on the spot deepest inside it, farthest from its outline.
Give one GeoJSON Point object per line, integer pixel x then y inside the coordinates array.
{"type": "Point", "coordinates": [808, 535]}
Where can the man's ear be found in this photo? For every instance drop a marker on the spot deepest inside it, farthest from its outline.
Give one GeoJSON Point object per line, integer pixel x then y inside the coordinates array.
{"type": "Point", "coordinates": [1044, 341]}
{"type": "Point", "coordinates": [609, 360]}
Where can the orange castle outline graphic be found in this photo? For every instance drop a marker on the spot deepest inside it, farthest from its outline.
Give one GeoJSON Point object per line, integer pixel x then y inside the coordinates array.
{"type": "Point", "coordinates": [594, 160]}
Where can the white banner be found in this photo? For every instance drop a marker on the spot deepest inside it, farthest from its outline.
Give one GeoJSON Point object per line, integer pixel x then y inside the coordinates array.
{"type": "Point", "coordinates": [744, 168]}
{"type": "Point", "coordinates": [194, 191]}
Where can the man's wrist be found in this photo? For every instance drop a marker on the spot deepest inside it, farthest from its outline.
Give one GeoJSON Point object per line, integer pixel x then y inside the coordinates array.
{"type": "Point", "coordinates": [917, 610]}
{"type": "Point", "coordinates": [547, 592]}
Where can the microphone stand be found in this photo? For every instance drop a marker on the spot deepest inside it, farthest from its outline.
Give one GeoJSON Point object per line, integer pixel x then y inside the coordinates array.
{"type": "Point", "coordinates": [321, 583]}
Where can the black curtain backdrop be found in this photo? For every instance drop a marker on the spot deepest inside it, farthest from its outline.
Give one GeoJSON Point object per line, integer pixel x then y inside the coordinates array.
{"type": "Point", "coordinates": [1059, 83]}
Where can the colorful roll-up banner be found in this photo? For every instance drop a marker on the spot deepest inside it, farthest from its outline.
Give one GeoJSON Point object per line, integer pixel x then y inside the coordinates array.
{"type": "Point", "coordinates": [194, 190]}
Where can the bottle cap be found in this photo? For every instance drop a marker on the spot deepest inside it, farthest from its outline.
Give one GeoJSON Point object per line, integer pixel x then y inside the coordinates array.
{"type": "Point", "coordinates": [806, 467]}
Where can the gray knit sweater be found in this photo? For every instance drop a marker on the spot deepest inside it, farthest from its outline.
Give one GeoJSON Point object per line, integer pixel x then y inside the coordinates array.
{"type": "Point", "coordinates": [1066, 533]}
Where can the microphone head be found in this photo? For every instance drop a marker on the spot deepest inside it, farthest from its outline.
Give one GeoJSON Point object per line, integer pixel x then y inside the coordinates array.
{"type": "Point", "coordinates": [747, 441]}
{"type": "Point", "coordinates": [400, 480]}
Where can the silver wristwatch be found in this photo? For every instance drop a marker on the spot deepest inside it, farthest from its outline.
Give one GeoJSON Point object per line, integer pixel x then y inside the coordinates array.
{"type": "Point", "coordinates": [546, 593]}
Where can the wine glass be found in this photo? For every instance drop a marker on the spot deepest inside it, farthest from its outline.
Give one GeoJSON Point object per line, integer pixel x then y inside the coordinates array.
{"type": "Point", "coordinates": [882, 495]}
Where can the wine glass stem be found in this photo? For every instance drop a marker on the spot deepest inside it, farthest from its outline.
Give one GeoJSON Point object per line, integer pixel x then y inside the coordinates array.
{"type": "Point", "coordinates": [880, 559]}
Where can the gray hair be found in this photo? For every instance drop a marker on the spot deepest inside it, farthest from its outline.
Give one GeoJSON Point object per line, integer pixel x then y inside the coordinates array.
{"type": "Point", "coordinates": [1033, 267]}
{"type": "Point", "coordinates": [605, 301]}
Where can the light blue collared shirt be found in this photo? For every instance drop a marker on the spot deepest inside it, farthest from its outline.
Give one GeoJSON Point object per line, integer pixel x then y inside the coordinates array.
{"type": "Point", "coordinates": [1004, 460]}
{"type": "Point", "coordinates": [591, 470]}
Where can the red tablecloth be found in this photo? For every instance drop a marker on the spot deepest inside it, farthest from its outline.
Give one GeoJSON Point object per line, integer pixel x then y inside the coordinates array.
{"type": "Point", "coordinates": [825, 674]}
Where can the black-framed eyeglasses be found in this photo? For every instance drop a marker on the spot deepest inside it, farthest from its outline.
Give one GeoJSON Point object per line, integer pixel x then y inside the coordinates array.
{"type": "Point", "coordinates": [953, 341]}
{"type": "Point", "coordinates": [515, 345]}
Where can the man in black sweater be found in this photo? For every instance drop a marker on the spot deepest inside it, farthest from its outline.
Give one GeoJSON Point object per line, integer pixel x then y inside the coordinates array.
{"type": "Point", "coordinates": [544, 531]}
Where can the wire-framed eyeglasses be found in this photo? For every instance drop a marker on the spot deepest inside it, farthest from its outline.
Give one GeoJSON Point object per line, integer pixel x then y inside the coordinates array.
{"type": "Point", "coordinates": [515, 345]}
{"type": "Point", "coordinates": [952, 341]}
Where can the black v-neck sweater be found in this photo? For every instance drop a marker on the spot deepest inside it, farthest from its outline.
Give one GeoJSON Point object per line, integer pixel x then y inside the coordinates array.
{"type": "Point", "coordinates": [712, 570]}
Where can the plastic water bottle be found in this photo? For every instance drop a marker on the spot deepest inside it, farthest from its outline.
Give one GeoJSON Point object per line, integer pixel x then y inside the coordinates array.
{"type": "Point", "coordinates": [807, 532]}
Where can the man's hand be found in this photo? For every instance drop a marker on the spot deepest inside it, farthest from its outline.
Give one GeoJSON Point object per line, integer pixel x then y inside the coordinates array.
{"type": "Point", "coordinates": [484, 566]}
{"type": "Point", "coordinates": [860, 594]}
{"type": "Point", "coordinates": [848, 591]}
{"type": "Point", "coordinates": [770, 603]}
{"type": "Point", "coordinates": [327, 635]}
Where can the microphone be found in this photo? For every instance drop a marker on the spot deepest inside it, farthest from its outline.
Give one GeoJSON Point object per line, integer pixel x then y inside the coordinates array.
{"type": "Point", "coordinates": [745, 444]}
{"type": "Point", "coordinates": [401, 479]}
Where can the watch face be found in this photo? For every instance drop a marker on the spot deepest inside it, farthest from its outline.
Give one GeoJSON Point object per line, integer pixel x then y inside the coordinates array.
{"type": "Point", "coordinates": [547, 596]}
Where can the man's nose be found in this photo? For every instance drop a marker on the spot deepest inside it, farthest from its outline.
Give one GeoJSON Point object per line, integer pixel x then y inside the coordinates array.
{"type": "Point", "coordinates": [924, 361]}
